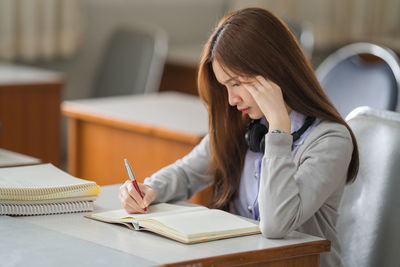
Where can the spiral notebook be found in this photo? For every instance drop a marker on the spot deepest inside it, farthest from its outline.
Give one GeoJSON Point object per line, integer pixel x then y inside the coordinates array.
{"type": "Point", "coordinates": [44, 189]}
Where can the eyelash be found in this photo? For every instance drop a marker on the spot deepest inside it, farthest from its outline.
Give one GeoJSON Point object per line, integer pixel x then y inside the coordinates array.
{"type": "Point", "coordinates": [236, 84]}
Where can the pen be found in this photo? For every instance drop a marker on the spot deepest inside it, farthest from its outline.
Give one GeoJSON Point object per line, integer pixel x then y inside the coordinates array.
{"type": "Point", "coordinates": [132, 178]}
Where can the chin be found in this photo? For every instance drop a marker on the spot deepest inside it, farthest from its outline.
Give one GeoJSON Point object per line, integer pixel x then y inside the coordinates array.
{"type": "Point", "coordinates": [255, 116]}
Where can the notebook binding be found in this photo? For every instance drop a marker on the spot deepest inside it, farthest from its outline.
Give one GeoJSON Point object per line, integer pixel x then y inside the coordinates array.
{"type": "Point", "coordinates": [45, 209]}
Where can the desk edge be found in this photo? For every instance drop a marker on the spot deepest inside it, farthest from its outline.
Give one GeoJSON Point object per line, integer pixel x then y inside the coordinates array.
{"type": "Point", "coordinates": [72, 113]}
{"type": "Point", "coordinates": [262, 255]}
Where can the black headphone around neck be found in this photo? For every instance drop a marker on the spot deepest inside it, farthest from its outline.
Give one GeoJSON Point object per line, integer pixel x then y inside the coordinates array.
{"type": "Point", "coordinates": [255, 134]}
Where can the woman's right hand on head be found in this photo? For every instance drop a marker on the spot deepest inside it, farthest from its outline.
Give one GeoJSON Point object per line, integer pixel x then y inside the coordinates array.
{"type": "Point", "coordinates": [131, 200]}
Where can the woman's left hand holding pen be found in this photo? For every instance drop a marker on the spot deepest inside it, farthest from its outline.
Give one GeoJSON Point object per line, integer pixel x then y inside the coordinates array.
{"type": "Point", "coordinates": [131, 200]}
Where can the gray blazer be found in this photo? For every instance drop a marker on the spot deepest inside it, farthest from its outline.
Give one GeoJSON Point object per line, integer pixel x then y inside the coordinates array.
{"type": "Point", "coordinates": [301, 194]}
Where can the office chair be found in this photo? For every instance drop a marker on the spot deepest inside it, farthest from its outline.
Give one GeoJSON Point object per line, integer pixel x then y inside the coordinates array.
{"type": "Point", "coordinates": [133, 62]}
{"type": "Point", "coordinates": [304, 34]}
{"type": "Point", "coordinates": [350, 81]}
{"type": "Point", "coordinates": [369, 222]}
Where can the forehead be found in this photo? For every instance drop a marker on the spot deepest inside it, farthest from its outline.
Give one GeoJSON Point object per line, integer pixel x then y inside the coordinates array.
{"type": "Point", "coordinates": [222, 73]}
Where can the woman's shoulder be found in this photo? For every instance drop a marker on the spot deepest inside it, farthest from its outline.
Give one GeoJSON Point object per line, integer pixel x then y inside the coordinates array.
{"type": "Point", "coordinates": [327, 128]}
{"type": "Point", "coordinates": [327, 136]}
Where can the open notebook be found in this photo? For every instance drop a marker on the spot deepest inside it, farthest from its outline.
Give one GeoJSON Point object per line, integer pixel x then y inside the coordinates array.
{"type": "Point", "coordinates": [44, 189]}
{"type": "Point", "coordinates": [182, 223]}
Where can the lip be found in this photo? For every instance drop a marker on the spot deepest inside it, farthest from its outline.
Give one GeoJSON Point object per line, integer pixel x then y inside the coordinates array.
{"type": "Point", "coordinates": [245, 110]}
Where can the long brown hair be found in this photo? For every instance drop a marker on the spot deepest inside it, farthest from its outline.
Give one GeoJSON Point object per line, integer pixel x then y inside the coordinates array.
{"type": "Point", "coordinates": [250, 42]}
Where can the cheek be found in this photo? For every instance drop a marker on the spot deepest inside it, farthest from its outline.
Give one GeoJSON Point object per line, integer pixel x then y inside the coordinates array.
{"type": "Point", "coordinates": [249, 98]}
{"type": "Point", "coordinates": [256, 110]}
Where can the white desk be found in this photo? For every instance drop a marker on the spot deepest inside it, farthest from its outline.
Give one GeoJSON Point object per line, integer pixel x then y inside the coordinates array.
{"type": "Point", "coordinates": [13, 159]}
{"type": "Point", "coordinates": [72, 240]}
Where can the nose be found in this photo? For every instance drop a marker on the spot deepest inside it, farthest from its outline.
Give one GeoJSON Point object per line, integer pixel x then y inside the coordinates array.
{"type": "Point", "coordinates": [233, 97]}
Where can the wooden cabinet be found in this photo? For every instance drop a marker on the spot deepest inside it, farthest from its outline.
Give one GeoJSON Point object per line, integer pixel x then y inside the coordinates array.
{"type": "Point", "coordinates": [30, 112]}
{"type": "Point", "coordinates": [151, 131]}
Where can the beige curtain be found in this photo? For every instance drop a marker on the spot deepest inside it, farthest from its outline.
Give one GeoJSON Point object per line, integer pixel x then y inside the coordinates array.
{"type": "Point", "coordinates": [39, 29]}
{"type": "Point", "coordinates": [339, 21]}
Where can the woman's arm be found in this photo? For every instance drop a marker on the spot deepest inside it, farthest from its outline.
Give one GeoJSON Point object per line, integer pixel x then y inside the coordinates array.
{"type": "Point", "coordinates": [185, 177]}
{"type": "Point", "coordinates": [290, 195]}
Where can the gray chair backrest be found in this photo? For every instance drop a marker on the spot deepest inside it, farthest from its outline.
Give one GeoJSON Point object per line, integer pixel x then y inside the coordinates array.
{"type": "Point", "coordinates": [133, 62]}
{"type": "Point", "coordinates": [369, 221]}
{"type": "Point", "coordinates": [351, 82]}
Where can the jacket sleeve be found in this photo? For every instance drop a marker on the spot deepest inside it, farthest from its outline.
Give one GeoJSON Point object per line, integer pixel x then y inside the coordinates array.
{"type": "Point", "coordinates": [289, 195]}
{"type": "Point", "coordinates": [182, 179]}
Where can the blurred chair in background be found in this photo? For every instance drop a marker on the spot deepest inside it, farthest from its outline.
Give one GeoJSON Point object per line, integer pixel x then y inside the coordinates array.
{"type": "Point", "coordinates": [369, 221]}
{"type": "Point", "coordinates": [351, 81]}
{"type": "Point", "coordinates": [133, 62]}
{"type": "Point", "coordinates": [304, 35]}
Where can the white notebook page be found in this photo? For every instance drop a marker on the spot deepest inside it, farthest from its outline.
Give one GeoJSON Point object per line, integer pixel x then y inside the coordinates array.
{"type": "Point", "coordinates": [37, 176]}
{"type": "Point", "coordinates": [206, 221]}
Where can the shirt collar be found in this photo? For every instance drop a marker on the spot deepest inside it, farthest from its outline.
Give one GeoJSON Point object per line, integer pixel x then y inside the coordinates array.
{"type": "Point", "coordinates": [296, 120]}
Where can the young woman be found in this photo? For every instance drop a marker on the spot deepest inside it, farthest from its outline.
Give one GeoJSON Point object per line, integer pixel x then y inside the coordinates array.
{"type": "Point", "coordinates": [253, 76]}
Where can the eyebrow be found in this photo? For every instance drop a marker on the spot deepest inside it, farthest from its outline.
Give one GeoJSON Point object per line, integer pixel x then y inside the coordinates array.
{"type": "Point", "coordinates": [230, 79]}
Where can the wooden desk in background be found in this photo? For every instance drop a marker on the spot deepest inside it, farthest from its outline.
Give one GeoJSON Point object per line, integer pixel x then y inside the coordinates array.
{"type": "Point", "coordinates": [180, 70]}
{"type": "Point", "coordinates": [151, 131]}
{"type": "Point", "coordinates": [72, 240]}
{"type": "Point", "coordinates": [30, 114]}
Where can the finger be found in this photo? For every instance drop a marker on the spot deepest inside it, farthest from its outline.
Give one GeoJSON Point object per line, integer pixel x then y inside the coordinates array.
{"type": "Point", "coordinates": [258, 86]}
{"type": "Point", "coordinates": [250, 82]}
{"type": "Point", "coordinates": [270, 85]}
{"type": "Point", "coordinates": [147, 200]}
{"type": "Point", "coordinates": [262, 85]}
{"type": "Point", "coordinates": [122, 191]}
{"type": "Point", "coordinates": [251, 89]}
{"type": "Point", "coordinates": [122, 186]}
{"type": "Point", "coordinates": [135, 195]}
{"type": "Point", "coordinates": [125, 184]}
{"type": "Point", "coordinates": [132, 207]}
{"type": "Point", "coordinates": [263, 82]}
{"type": "Point", "coordinates": [149, 195]}
{"type": "Point", "coordinates": [129, 204]}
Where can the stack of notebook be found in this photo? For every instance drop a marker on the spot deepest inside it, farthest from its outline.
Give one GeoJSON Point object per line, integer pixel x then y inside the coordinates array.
{"type": "Point", "coordinates": [44, 189]}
